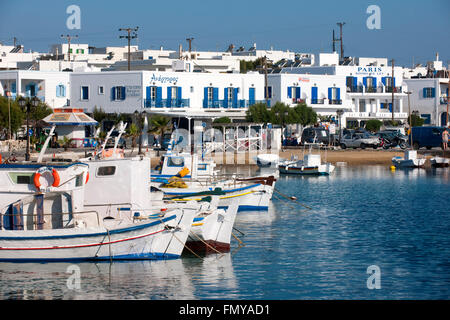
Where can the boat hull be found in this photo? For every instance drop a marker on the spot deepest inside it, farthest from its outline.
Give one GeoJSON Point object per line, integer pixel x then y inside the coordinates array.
{"type": "Point", "coordinates": [412, 163]}
{"type": "Point", "coordinates": [145, 240]}
{"type": "Point", "coordinates": [317, 170]}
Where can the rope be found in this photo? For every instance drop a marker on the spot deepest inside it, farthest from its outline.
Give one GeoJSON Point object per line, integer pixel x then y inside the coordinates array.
{"type": "Point", "coordinates": [241, 244]}
{"type": "Point", "coordinates": [209, 246]}
{"type": "Point", "coordinates": [291, 198]}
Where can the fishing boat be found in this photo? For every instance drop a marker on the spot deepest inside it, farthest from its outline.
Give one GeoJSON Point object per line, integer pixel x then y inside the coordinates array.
{"type": "Point", "coordinates": [409, 160]}
{"type": "Point", "coordinates": [439, 162]}
{"type": "Point", "coordinates": [267, 160]}
{"type": "Point", "coordinates": [310, 165]}
{"type": "Point", "coordinates": [182, 175]}
{"type": "Point", "coordinates": [212, 229]}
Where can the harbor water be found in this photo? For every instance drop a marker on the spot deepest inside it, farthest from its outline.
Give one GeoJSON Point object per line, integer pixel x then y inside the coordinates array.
{"type": "Point", "coordinates": [359, 217]}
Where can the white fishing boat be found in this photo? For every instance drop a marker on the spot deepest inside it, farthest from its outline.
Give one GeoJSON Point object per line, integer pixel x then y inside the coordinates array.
{"type": "Point", "coordinates": [310, 165]}
{"type": "Point", "coordinates": [267, 160]}
{"type": "Point", "coordinates": [184, 175]}
{"type": "Point", "coordinates": [439, 162]}
{"type": "Point", "coordinates": [212, 229]}
{"type": "Point", "coordinates": [409, 160]}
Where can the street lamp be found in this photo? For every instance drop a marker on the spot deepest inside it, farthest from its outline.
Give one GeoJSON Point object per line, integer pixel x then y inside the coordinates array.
{"type": "Point", "coordinates": [26, 105]}
{"type": "Point", "coordinates": [410, 120]}
{"type": "Point", "coordinates": [139, 117]}
{"type": "Point", "coordinates": [340, 112]}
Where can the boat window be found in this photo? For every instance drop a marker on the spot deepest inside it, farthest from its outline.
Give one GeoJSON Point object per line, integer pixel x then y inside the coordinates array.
{"type": "Point", "coordinates": [106, 171]}
{"type": "Point", "coordinates": [21, 177]}
{"type": "Point", "coordinates": [202, 166]}
{"type": "Point", "coordinates": [79, 180]}
{"type": "Point", "coordinates": [175, 162]}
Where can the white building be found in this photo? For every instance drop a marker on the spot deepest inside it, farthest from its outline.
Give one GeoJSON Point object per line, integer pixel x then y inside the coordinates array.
{"type": "Point", "coordinates": [11, 56]}
{"type": "Point", "coordinates": [186, 93]}
{"type": "Point", "coordinates": [52, 88]}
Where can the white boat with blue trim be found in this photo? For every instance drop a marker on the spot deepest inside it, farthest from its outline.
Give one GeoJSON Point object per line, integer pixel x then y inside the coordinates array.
{"type": "Point", "coordinates": [409, 160]}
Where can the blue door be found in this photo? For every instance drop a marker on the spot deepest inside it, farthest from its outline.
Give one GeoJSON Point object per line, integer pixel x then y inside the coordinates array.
{"type": "Point", "coordinates": [251, 96]}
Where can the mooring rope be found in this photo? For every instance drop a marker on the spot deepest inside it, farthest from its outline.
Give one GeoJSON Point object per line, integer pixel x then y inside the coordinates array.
{"type": "Point", "coordinates": [294, 199]}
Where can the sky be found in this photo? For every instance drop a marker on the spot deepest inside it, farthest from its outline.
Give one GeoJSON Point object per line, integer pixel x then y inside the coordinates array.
{"type": "Point", "coordinates": [411, 31]}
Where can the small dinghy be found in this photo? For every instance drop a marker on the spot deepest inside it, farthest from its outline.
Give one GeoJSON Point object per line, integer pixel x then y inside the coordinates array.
{"type": "Point", "coordinates": [410, 160]}
{"type": "Point", "coordinates": [310, 165]}
{"type": "Point", "coordinates": [439, 162]}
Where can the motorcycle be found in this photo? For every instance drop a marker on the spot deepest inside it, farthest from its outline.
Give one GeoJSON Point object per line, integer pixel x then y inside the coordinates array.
{"type": "Point", "coordinates": [394, 142]}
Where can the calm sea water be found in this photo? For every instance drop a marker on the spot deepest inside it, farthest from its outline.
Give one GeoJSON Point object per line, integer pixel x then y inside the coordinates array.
{"type": "Point", "coordinates": [359, 217]}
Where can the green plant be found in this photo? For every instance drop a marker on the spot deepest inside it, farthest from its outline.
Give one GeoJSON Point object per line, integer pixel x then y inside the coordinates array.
{"type": "Point", "coordinates": [374, 125]}
{"type": "Point", "coordinates": [417, 121]}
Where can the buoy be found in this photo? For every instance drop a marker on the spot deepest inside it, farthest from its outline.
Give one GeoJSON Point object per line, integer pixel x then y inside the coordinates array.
{"type": "Point", "coordinates": [392, 168]}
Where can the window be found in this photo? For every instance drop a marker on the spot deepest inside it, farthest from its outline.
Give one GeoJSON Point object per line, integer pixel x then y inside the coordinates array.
{"type": "Point", "coordinates": [101, 90]}
{"type": "Point", "coordinates": [174, 93]}
{"type": "Point", "coordinates": [210, 93]}
{"type": "Point", "coordinates": [230, 93]}
{"type": "Point", "coordinates": [61, 90]}
{"type": "Point", "coordinates": [106, 171]}
{"type": "Point", "coordinates": [84, 93]}
{"type": "Point", "coordinates": [175, 162]}
{"type": "Point", "coordinates": [21, 177]}
{"type": "Point", "coordinates": [153, 93]}
{"type": "Point", "coordinates": [269, 92]}
{"type": "Point", "coordinates": [120, 93]}
{"type": "Point", "coordinates": [429, 92]}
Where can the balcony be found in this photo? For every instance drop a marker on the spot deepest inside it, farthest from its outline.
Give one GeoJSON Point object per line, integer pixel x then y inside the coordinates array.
{"type": "Point", "coordinates": [297, 100]}
{"type": "Point", "coordinates": [396, 89]}
{"type": "Point", "coordinates": [373, 90]}
{"type": "Point", "coordinates": [166, 103]}
{"type": "Point", "coordinates": [227, 104]}
{"type": "Point", "coordinates": [334, 101]}
{"type": "Point", "coordinates": [355, 89]}
{"type": "Point", "coordinates": [317, 101]}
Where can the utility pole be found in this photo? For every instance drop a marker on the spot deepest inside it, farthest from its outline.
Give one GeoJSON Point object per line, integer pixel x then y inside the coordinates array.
{"type": "Point", "coordinates": [132, 34]}
{"type": "Point", "coordinates": [410, 120]}
{"type": "Point", "coordinates": [266, 82]}
{"type": "Point", "coordinates": [393, 89]}
{"type": "Point", "coordinates": [333, 42]}
{"type": "Point", "coordinates": [69, 38]}
{"type": "Point", "coordinates": [341, 24]}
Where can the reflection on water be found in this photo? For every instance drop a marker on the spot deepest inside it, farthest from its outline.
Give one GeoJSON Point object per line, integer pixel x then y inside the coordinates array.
{"type": "Point", "coordinates": [360, 216]}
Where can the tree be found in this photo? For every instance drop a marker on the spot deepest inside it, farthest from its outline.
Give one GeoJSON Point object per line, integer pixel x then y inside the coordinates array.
{"type": "Point", "coordinates": [222, 120]}
{"type": "Point", "coordinates": [159, 125]}
{"type": "Point", "coordinates": [305, 115]}
{"type": "Point", "coordinates": [259, 113]}
{"type": "Point", "coordinates": [416, 120]}
{"type": "Point", "coordinates": [373, 125]}
{"type": "Point", "coordinates": [133, 132]}
{"type": "Point", "coordinates": [17, 115]}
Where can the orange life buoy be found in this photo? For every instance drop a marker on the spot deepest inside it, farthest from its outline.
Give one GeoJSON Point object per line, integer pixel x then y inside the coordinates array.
{"type": "Point", "coordinates": [87, 178]}
{"type": "Point", "coordinates": [40, 171]}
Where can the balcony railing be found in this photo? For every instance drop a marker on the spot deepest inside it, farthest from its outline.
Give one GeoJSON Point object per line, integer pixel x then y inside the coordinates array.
{"type": "Point", "coordinates": [353, 89]}
{"type": "Point", "coordinates": [298, 100]}
{"type": "Point", "coordinates": [227, 104]}
{"type": "Point", "coordinates": [374, 90]}
{"type": "Point", "coordinates": [396, 89]}
{"type": "Point", "coordinates": [334, 101]}
{"type": "Point", "coordinates": [166, 103]}
{"type": "Point", "coordinates": [317, 101]}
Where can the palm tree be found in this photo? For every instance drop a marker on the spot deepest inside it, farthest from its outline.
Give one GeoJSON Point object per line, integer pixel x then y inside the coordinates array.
{"type": "Point", "coordinates": [160, 125]}
{"type": "Point", "coordinates": [133, 133]}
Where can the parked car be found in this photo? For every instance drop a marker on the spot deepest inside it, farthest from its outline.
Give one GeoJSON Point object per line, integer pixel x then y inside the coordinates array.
{"type": "Point", "coordinates": [428, 137]}
{"type": "Point", "coordinates": [315, 134]}
{"type": "Point", "coordinates": [359, 140]}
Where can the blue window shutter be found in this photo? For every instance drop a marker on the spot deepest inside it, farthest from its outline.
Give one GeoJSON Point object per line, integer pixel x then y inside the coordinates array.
{"type": "Point", "coordinates": [251, 96]}
{"type": "Point", "coordinates": [179, 93]}
{"type": "Point", "coordinates": [235, 97]}
{"type": "Point", "coordinates": [314, 93]}
{"type": "Point", "coordinates": [205, 93]}
{"type": "Point", "coordinates": [433, 92]}
{"type": "Point", "coordinates": [215, 94]}
{"type": "Point", "coordinates": [63, 91]}
{"type": "Point", "coordinates": [58, 91]}
{"type": "Point", "coordinates": [330, 93]}
{"type": "Point", "coordinates": [289, 92]}
{"type": "Point", "coordinates": [383, 81]}
{"type": "Point", "coordinates": [148, 93]}
{"type": "Point", "coordinates": [124, 93]}
{"type": "Point", "coordinates": [365, 81]}
{"type": "Point", "coordinates": [270, 92]}
{"type": "Point", "coordinates": [338, 93]}
{"type": "Point", "coordinates": [355, 82]}
{"type": "Point", "coordinates": [225, 97]}
{"type": "Point", "coordinates": [424, 92]}
{"type": "Point", "coordinates": [298, 92]}
{"type": "Point", "coordinates": [374, 82]}
{"type": "Point", "coordinates": [158, 96]}
{"type": "Point", "coordinates": [393, 82]}
{"type": "Point", "coordinates": [169, 93]}
{"type": "Point", "coordinates": [113, 93]}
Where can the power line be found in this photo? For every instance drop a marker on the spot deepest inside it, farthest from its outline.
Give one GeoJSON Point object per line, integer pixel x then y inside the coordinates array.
{"type": "Point", "coordinates": [132, 34]}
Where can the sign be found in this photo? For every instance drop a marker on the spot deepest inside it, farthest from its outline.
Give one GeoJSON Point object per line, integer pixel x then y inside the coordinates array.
{"type": "Point", "coordinates": [133, 91]}
{"type": "Point", "coordinates": [163, 79]}
{"type": "Point", "coordinates": [379, 71]}
{"type": "Point", "coordinates": [332, 128]}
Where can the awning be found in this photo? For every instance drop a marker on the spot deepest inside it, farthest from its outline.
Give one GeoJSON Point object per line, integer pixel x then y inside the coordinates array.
{"type": "Point", "coordinates": [69, 117]}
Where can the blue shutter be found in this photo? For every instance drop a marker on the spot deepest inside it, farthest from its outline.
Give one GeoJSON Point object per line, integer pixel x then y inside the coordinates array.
{"type": "Point", "coordinates": [365, 81]}
{"type": "Point", "coordinates": [433, 92]}
{"type": "Point", "coordinates": [124, 93]}
{"type": "Point", "coordinates": [330, 93]}
{"type": "Point", "coordinates": [383, 81]}
{"type": "Point", "coordinates": [374, 82]}
{"type": "Point", "coordinates": [355, 82]}
{"type": "Point", "coordinates": [235, 97]}
{"type": "Point", "coordinates": [58, 91]}
{"type": "Point", "coordinates": [63, 91]}
{"type": "Point", "coordinates": [225, 97]}
{"type": "Point", "coordinates": [338, 93]}
{"type": "Point", "coordinates": [251, 96]}
{"type": "Point", "coordinates": [289, 92]}
{"type": "Point", "coordinates": [148, 93]}
{"type": "Point", "coordinates": [393, 82]}
{"type": "Point", "coordinates": [205, 97]}
{"type": "Point", "coordinates": [169, 96]}
{"type": "Point", "coordinates": [158, 97]}
{"type": "Point", "coordinates": [314, 94]}
{"type": "Point", "coordinates": [298, 92]}
{"type": "Point", "coordinates": [424, 92]}
{"type": "Point", "coordinates": [215, 94]}
{"type": "Point", "coordinates": [179, 97]}
{"type": "Point", "coordinates": [113, 93]}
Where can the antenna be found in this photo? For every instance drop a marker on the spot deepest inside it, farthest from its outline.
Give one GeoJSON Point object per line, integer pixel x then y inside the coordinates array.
{"type": "Point", "coordinates": [341, 24]}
